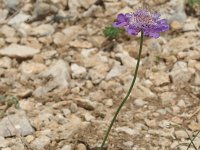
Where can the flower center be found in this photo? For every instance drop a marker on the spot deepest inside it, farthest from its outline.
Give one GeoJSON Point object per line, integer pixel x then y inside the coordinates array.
{"type": "Point", "coordinates": [142, 18]}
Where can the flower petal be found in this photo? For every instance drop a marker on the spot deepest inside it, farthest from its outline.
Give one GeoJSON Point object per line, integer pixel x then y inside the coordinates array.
{"type": "Point", "coordinates": [156, 16]}
{"type": "Point", "coordinates": [121, 17]}
{"type": "Point", "coordinates": [164, 26]}
{"type": "Point", "coordinates": [122, 20]}
{"type": "Point", "coordinates": [132, 30]}
{"type": "Point", "coordinates": [154, 35]}
{"type": "Point", "coordinates": [119, 24]}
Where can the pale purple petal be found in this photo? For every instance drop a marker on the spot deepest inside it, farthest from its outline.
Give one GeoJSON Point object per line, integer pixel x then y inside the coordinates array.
{"type": "Point", "coordinates": [119, 24]}
{"type": "Point", "coordinates": [132, 30]}
{"type": "Point", "coordinates": [152, 34]}
{"type": "Point", "coordinates": [122, 21]}
{"type": "Point", "coordinates": [156, 16]}
{"type": "Point", "coordinates": [164, 26]}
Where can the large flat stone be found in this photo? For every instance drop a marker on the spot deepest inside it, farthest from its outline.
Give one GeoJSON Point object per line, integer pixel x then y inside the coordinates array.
{"type": "Point", "coordinates": [16, 124]}
{"type": "Point", "coordinates": [18, 51]}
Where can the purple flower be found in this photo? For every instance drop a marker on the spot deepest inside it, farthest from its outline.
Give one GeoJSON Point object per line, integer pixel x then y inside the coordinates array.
{"type": "Point", "coordinates": [142, 20]}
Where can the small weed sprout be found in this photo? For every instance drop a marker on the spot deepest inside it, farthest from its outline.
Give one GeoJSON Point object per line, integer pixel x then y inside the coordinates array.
{"type": "Point", "coordinates": [9, 102]}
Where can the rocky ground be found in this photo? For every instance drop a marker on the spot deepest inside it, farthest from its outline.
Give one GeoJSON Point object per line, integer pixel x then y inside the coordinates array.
{"type": "Point", "coordinates": [68, 78]}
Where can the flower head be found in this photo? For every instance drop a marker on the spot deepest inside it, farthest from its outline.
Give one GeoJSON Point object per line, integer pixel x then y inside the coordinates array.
{"type": "Point", "coordinates": [142, 20]}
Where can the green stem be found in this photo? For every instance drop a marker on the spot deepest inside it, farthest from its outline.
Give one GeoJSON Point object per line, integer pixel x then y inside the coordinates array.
{"type": "Point", "coordinates": [127, 95]}
{"type": "Point", "coordinates": [192, 140]}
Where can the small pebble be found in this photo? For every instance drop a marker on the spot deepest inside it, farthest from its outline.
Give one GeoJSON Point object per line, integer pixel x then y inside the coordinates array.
{"type": "Point", "coordinates": [109, 103]}
{"type": "Point", "coordinates": [73, 108]}
{"type": "Point", "coordinates": [80, 147]}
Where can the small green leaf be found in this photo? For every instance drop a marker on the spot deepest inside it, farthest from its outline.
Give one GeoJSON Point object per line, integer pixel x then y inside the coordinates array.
{"type": "Point", "coordinates": [111, 32]}
{"type": "Point", "coordinates": [2, 98]}
{"type": "Point", "coordinates": [192, 2]}
{"type": "Point", "coordinates": [17, 106]}
{"type": "Point", "coordinates": [158, 59]}
{"type": "Point", "coordinates": [1, 114]}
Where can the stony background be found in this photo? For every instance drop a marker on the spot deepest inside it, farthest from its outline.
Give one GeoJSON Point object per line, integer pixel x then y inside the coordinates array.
{"type": "Point", "coordinates": [69, 78]}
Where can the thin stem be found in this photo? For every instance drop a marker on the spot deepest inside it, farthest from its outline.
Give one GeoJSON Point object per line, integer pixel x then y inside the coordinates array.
{"type": "Point", "coordinates": [192, 141]}
{"type": "Point", "coordinates": [127, 95]}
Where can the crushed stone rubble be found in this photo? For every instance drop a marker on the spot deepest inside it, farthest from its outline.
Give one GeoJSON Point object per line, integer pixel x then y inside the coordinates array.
{"type": "Point", "coordinates": [69, 78]}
